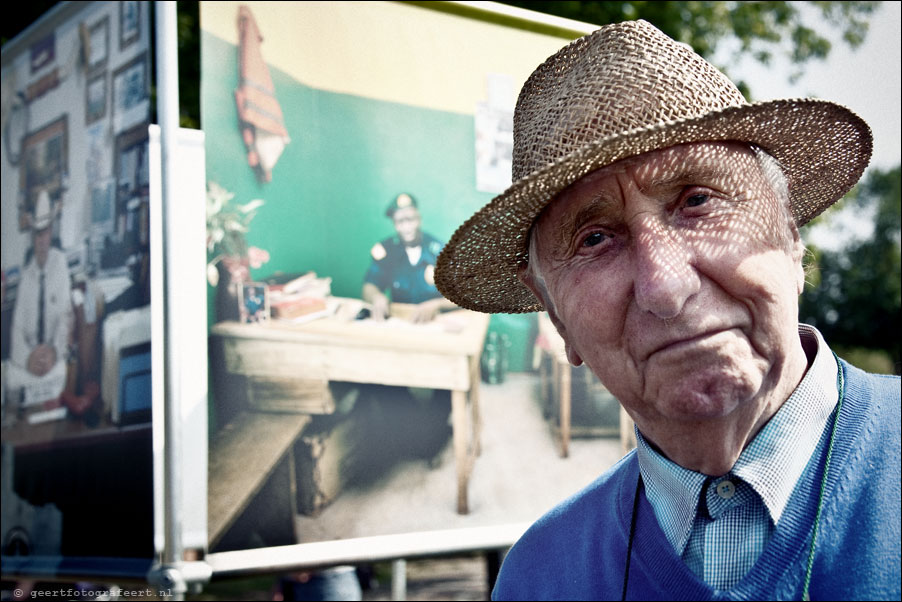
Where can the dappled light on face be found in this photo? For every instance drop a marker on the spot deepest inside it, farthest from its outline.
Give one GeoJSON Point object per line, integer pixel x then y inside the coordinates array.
{"type": "Point", "coordinates": [672, 275]}
{"type": "Point", "coordinates": [715, 198]}
{"type": "Point", "coordinates": [664, 209]}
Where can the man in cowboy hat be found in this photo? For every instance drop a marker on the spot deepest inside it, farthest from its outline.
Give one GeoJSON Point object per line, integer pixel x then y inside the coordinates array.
{"type": "Point", "coordinates": [654, 216]}
{"type": "Point", "coordinates": [404, 264]}
{"type": "Point", "coordinates": [42, 319]}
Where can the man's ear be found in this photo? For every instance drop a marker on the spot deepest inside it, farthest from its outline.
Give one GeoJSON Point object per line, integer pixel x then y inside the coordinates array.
{"type": "Point", "coordinates": [798, 256]}
{"type": "Point", "coordinates": [572, 356]}
{"type": "Point", "coordinates": [537, 286]}
{"type": "Point", "coordinates": [527, 279]}
{"type": "Point", "coordinates": [800, 267]}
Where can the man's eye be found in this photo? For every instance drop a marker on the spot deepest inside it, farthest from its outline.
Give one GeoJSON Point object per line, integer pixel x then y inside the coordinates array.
{"type": "Point", "coordinates": [697, 199]}
{"type": "Point", "coordinates": [596, 238]}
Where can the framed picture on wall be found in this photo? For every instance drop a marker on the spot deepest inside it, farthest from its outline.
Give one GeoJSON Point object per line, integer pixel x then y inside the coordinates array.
{"type": "Point", "coordinates": [99, 45]}
{"type": "Point", "coordinates": [42, 52]}
{"type": "Point", "coordinates": [131, 167]}
{"type": "Point", "coordinates": [103, 207]}
{"type": "Point", "coordinates": [45, 165]}
{"type": "Point", "coordinates": [129, 23]}
{"type": "Point", "coordinates": [131, 101]}
{"type": "Point", "coordinates": [95, 98]}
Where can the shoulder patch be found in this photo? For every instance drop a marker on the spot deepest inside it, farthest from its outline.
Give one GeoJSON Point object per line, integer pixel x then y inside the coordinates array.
{"type": "Point", "coordinates": [436, 247]}
{"type": "Point", "coordinates": [378, 252]}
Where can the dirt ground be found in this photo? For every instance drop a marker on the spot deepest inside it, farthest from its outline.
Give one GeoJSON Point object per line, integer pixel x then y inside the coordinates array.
{"type": "Point", "coordinates": [518, 476]}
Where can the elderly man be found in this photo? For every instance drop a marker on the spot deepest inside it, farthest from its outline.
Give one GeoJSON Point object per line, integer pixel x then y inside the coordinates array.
{"type": "Point", "coordinates": [655, 216]}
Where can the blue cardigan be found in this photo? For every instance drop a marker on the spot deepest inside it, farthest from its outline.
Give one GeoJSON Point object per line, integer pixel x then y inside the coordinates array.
{"type": "Point", "coordinates": [577, 551]}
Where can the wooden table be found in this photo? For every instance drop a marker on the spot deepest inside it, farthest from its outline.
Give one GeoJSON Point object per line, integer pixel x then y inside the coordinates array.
{"type": "Point", "coordinates": [443, 354]}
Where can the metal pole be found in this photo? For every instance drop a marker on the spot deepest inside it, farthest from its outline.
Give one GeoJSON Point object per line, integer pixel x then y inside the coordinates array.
{"type": "Point", "coordinates": [399, 579]}
{"type": "Point", "coordinates": [169, 573]}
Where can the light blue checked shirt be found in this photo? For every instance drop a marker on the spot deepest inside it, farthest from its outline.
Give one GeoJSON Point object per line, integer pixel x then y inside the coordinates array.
{"type": "Point", "coordinates": [721, 539]}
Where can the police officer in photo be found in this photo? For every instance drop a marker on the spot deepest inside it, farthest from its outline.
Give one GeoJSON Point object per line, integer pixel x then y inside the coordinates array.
{"type": "Point", "coordinates": [403, 266]}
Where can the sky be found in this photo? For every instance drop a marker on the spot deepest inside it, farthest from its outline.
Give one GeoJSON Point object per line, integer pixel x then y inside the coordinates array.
{"type": "Point", "coordinates": [866, 80]}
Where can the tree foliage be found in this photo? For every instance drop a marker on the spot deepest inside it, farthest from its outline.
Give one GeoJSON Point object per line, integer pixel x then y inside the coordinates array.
{"type": "Point", "coordinates": [854, 294]}
{"type": "Point", "coordinates": [760, 28]}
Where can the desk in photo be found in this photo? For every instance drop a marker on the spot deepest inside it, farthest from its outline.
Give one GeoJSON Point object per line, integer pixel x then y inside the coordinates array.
{"type": "Point", "coordinates": [443, 354]}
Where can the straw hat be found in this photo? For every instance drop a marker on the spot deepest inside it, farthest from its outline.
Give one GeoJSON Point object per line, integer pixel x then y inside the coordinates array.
{"type": "Point", "coordinates": [621, 91]}
{"type": "Point", "coordinates": [44, 212]}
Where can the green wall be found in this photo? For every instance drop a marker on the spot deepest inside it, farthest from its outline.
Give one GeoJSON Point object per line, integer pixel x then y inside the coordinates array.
{"type": "Point", "coordinates": [348, 157]}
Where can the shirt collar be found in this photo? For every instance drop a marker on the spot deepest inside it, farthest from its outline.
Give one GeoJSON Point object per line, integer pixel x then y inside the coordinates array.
{"type": "Point", "coordinates": [672, 490]}
{"type": "Point", "coordinates": [771, 464]}
{"type": "Point", "coordinates": [776, 457]}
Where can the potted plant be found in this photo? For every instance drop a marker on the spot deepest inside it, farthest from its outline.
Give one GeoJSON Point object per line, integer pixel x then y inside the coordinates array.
{"type": "Point", "coordinates": [231, 257]}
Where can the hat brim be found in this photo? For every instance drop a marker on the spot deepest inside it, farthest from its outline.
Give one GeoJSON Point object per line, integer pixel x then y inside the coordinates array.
{"type": "Point", "coordinates": [823, 149]}
{"type": "Point", "coordinates": [43, 221]}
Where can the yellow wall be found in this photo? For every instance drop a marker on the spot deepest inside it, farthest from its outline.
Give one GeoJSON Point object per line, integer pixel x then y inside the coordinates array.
{"type": "Point", "coordinates": [370, 49]}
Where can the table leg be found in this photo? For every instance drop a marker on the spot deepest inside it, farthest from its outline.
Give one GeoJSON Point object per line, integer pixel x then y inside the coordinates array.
{"type": "Point", "coordinates": [627, 433]}
{"type": "Point", "coordinates": [461, 452]}
{"type": "Point", "coordinates": [474, 405]}
{"type": "Point", "coordinates": [545, 380]}
{"type": "Point", "coordinates": [565, 409]}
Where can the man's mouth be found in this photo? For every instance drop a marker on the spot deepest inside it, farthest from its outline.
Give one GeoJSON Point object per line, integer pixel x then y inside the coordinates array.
{"type": "Point", "coordinates": [684, 342]}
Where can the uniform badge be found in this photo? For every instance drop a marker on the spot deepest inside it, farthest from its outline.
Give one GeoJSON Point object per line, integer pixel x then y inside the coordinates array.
{"type": "Point", "coordinates": [403, 200]}
{"type": "Point", "coordinates": [378, 252]}
{"type": "Point", "coordinates": [429, 275]}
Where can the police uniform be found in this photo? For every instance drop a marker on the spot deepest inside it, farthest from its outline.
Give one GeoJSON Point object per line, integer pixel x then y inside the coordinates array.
{"type": "Point", "coordinates": [391, 270]}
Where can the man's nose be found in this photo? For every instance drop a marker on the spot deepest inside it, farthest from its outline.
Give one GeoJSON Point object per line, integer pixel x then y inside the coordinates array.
{"type": "Point", "coordinates": [664, 275]}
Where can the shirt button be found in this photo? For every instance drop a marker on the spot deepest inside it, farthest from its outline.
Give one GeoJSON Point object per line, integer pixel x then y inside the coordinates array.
{"type": "Point", "coordinates": [726, 489]}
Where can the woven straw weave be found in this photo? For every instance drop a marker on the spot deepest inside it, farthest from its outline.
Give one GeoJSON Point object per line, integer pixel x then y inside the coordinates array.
{"type": "Point", "coordinates": [621, 91]}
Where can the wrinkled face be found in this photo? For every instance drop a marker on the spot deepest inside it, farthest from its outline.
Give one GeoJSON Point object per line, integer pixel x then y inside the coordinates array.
{"type": "Point", "coordinates": [407, 225]}
{"type": "Point", "coordinates": [675, 277]}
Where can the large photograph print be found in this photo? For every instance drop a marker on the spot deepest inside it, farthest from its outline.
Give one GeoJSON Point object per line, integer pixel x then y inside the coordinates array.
{"type": "Point", "coordinates": [329, 142]}
{"type": "Point", "coordinates": [76, 395]}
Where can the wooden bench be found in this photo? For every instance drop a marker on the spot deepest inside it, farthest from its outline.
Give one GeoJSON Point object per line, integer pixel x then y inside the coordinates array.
{"type": "Point", "coordinates": [250, 456]}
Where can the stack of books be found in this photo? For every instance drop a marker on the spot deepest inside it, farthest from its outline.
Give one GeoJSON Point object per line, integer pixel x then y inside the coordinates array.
{"type": "Point", "coordinates": [292, 297]}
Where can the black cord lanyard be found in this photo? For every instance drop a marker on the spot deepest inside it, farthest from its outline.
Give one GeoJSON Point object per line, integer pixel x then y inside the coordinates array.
{"type": "Point", "coordinates": [840, 386]}
{"type": "Point", "coordinates": [629, 545]}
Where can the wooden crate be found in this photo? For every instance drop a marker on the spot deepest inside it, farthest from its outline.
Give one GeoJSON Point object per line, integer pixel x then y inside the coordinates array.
{"type": "Point", "coordinates": [328, 456]}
